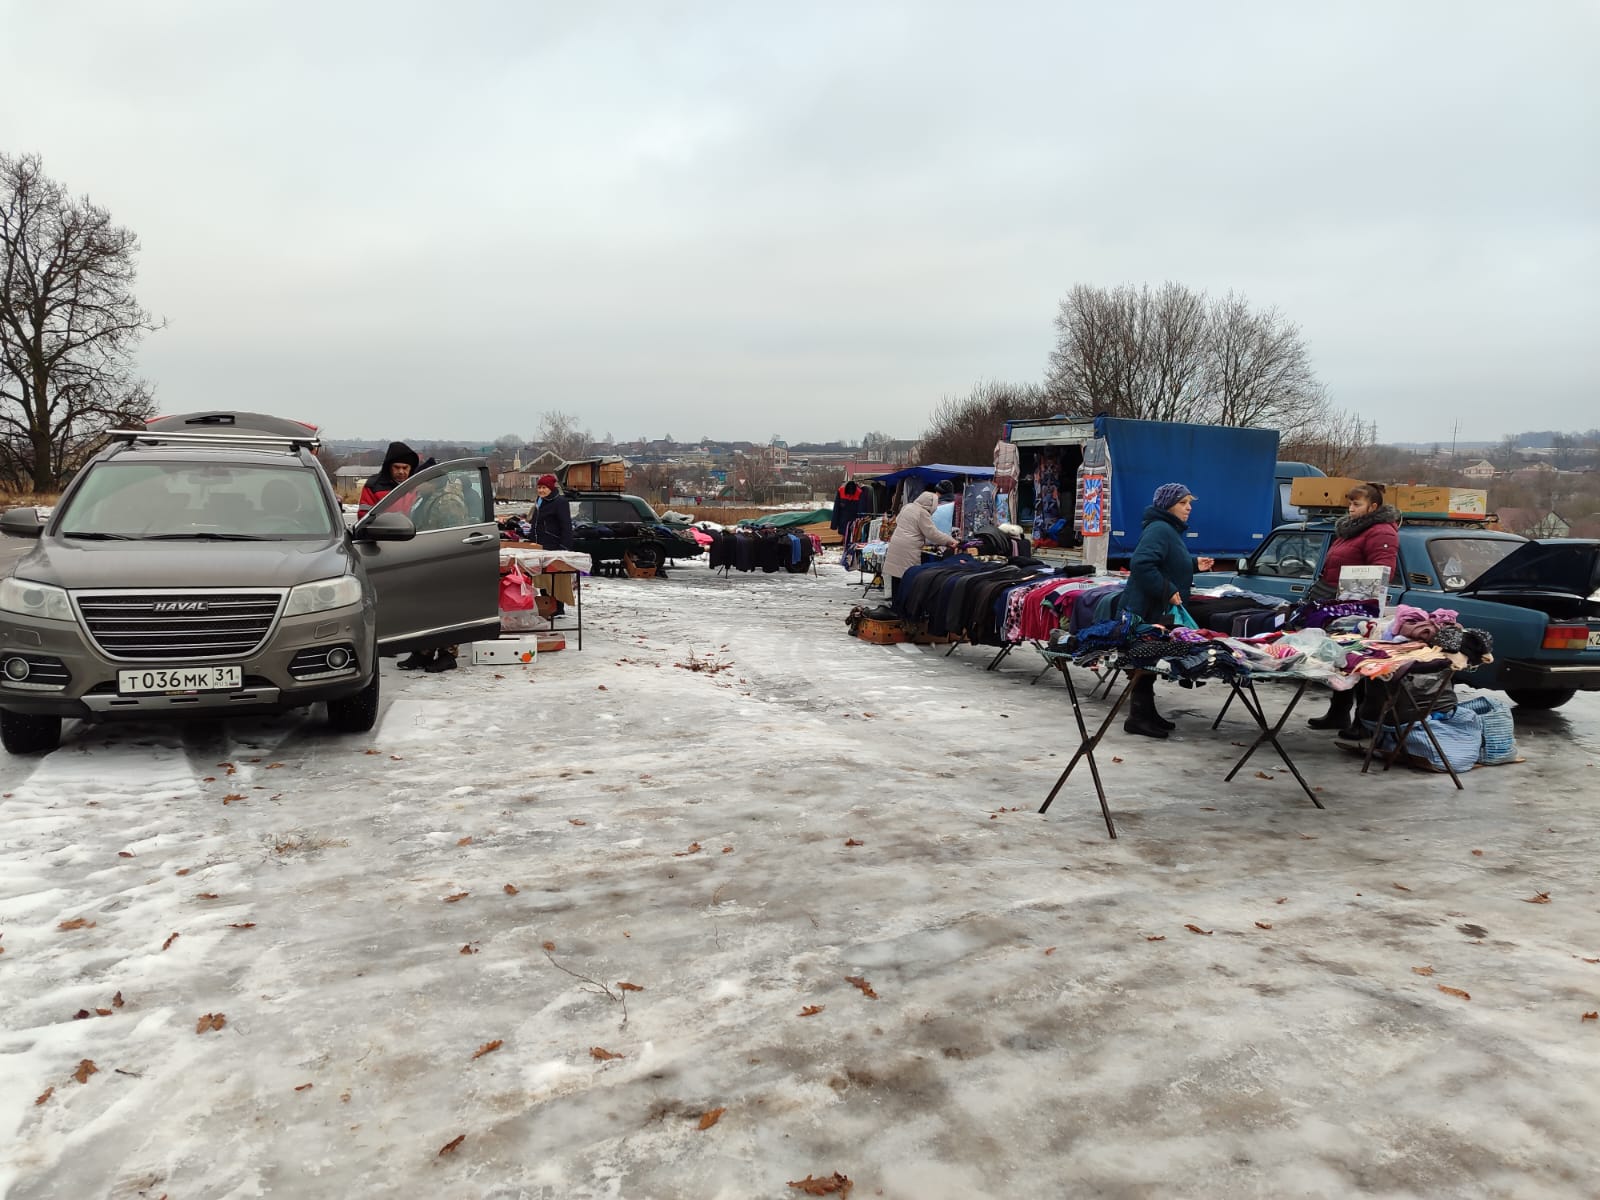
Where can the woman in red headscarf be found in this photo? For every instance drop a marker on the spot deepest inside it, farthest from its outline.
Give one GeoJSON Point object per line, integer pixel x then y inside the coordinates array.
{"type": "Point", "coordinates": [551, 518]}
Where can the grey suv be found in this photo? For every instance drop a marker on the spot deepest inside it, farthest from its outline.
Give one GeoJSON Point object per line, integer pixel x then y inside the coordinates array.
{"type": "Point", "coordinates": [201, 566]}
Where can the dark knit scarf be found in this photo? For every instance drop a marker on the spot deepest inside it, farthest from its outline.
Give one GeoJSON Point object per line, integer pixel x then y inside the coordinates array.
{"type": "Point", "coordinates": [1348, 527]}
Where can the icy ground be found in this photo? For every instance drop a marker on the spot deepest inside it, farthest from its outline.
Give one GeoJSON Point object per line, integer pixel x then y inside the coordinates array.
{"type": "Point", "coordinates": [624, 882]}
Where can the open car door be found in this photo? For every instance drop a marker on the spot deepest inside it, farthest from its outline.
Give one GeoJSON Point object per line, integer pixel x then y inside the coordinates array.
{"type": "Point", "coordinates": [441, 587]}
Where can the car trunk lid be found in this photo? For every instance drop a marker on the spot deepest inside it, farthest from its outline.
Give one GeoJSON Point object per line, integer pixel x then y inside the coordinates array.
{"type": "Point", "coordinates": [1559, 577]}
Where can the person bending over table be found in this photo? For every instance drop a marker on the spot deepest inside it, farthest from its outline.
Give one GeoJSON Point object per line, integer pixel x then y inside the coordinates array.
{"type": "Point", "coordinates": [1160, 579]}
{"type": "Point", "coordinates": [913, 529]}
{"type": "Point", "coordinates": [1368, 536]}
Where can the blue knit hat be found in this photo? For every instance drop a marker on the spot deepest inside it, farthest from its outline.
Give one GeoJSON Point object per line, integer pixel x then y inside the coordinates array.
{"type": "Point", "coordinates": [1169, 494]}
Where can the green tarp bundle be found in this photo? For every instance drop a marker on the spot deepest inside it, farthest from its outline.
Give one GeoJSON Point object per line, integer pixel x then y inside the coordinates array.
{"type": "Point", "coordinates": [781, 520]}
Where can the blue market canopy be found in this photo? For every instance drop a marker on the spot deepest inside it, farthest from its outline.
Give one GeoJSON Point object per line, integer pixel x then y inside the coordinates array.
{"type": "Point", "coordinates": [931, 473]}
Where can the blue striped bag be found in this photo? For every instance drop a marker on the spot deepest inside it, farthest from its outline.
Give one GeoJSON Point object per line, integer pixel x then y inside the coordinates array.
{"type": "Point", "coordinates": [1499, 731]}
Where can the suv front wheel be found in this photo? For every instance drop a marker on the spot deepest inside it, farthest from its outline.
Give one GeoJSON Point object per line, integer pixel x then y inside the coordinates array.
{"type": "Point", "coordinates": [25, 733]}
{"type": "Point", "coordinates": [357, 713]}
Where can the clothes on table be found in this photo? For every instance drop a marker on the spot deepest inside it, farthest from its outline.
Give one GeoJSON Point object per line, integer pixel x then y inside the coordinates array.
{"type": "Point", "coordinates": [765, 550]}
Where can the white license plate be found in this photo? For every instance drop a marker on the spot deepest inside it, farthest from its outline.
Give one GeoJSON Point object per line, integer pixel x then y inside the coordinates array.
{"type": "Point", "coordinates": [180, 679]}
{"type": "Point", "coordinates": [1594, 639]}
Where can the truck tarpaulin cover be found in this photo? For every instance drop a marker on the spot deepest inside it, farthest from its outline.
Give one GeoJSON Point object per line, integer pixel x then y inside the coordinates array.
{"type": "Point", "coordinates": [1230, 471]}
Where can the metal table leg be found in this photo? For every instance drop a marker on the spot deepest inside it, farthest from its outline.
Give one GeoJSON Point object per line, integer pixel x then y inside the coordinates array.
{"type": "Point", "coordinates": [1087, 744]}
{"type": "Point", "coordinates": [1269, 733]}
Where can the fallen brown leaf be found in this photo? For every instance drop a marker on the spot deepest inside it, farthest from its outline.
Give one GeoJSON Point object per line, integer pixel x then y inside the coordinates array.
{"type": "Point", "coordinates": [85, 1069]}
{"type": "Point", "coordinates": [1592, 960]}
{"type": "Point", "coordinates": [451, 1146]}
{"type": "Point", "coordinates": [124, 854]}
{"type": "Point", "coordinates": [466, 841]}
{"type": "Point", "coordinates": [602, 688]}
{"type": "Point", "coordinates": [205, 895]}
{"type": "Point", "coordinates": [116, 1001]}
{"type": "Point", "coordinates": [372, 752]}
{"type": "Point", "coordinates": [835, 1184]}
{"type": "Point", "coordinates": [242, 925]}
{"type": "Point", "coordinates": [168, 943]}
{"type": "Point", "coordinates": [1281, 900]}
{"type": "Point", "coordinates": [1049, 950]}
{"type": "Point", "coordinates": [273, 766]}
{"type": "Point", "coordinates": [602, 1054]}
{"type": "Point", "coordinates": [487, 1048]}
{"type": "Point", "coordinates": [183, 870]}
{"type": "Point", "coordinates": [549, 946]}
{"type": "Point", "coordinates": [510, 889]}
{"type": "Point", "coordinates": [866, 988]}
{"type": "Point", "coordinates": [1594, 1016]}
{"type": "Point", "coordinates": [1422, 970]}
{"type": "Point", "coordinates": [1450, 991]}
{"type": "Point", "coordinates": [44, 1095]}
{"type": "Point", "coordinates": [1477, 854]}
{"type": "Point", "coordinates": [76, 923]}
{"type": "Point", "coordinates": [467, 949]}
{"type": "Point", "coordinates": [853, 842]}
{"type": "Point", "coordinates": [1399, 887]}
{"type": "Point", "coordinates": [812, 1010]}
{"type": "Point", "coordinates": [575, 821]}
{"type": "Point", "coordinates": [1263, 924]}
{"type": "Point", "coordinates": [210, 1021]}
{"type": "Point", "coordinates": [457, 896]}
{"type": "Point", "coordinates": [304, 1087]}
{"type": "Point", "coordinates": [1537, 898]}
{"type": "Point", "coordinates": [231, 797]}
{"type": "Point", "coordinates": [1263, 775]}
{"type": "Point", "coordinates": [727, 849]}
{"type": "Point", "coordinates": [707, 1120]}
{"type": "Point", "coordinates": [1159, 937]}
{"type": "Point", "coordinates": [694, 848]}
{"type": "Point", "coordinates": [1115, 759]}
{"type": "Point", "coordinates": [630, 987]}
{"type": "Point", "coordinates": [82, 1014]}
{"type": "Point", "coordinates": [1197, 929]}
{"type": "Point", "coordinates": [102, 1012]}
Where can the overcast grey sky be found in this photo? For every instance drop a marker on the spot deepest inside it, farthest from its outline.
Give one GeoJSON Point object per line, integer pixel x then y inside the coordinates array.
{"type": "Point", "coordinates": [739, 219]}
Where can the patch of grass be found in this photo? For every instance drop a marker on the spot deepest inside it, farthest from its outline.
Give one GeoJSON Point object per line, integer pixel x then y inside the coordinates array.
{"type": "Point", "coordinates": [300, 842]}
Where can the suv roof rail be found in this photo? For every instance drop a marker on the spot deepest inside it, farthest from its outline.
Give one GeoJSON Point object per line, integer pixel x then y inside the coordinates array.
{"type": "Point", "coordinates": [243, 441]}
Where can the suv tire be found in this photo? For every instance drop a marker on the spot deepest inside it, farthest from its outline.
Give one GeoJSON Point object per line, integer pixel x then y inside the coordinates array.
{"type": "Point", "coordinates": [357, 713]}
{"type": "Point", "coordinates": [1541, 698]}
{"type": "Point", "coordinates": [26, 733]}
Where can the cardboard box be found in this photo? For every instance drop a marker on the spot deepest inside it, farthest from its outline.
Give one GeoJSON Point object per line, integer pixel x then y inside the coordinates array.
{"type": "Point", "coordinates": [1317, 491]}
{"type": "Point", "coordinates": [506, 651]}
{"type": "Point", "coordinates": [1440, 501]}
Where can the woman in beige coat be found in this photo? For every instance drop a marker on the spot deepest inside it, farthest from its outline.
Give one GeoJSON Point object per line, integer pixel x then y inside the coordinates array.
{"type": "Point", "coordinates": [913, 529]}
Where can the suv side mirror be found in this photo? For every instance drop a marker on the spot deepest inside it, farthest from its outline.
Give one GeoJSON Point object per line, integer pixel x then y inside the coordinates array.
{"type": "Point", "coordinates": [385, 527]}
{"type": "Point", "coordinates": [21, 522]}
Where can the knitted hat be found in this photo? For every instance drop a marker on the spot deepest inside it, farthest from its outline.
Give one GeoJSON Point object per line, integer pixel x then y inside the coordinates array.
{"type": "Point", "coordinates": [548, 481]}
{"type": "Point", "coordinates": [1169, 494]}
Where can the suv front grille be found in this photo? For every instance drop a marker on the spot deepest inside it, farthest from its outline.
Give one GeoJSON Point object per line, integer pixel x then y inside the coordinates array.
{"type": "Point", "coordinates": [167, 626]}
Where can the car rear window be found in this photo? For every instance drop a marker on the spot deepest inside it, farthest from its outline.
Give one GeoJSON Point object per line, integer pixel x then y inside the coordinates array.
{"type": "Point", "coordinates": [1460, 560]}
{"type": "Point", "coordinates": [149, 500]}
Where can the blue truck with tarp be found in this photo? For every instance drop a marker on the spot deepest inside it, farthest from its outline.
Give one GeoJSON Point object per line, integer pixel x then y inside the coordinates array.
{"type": "Point", "coordinates": [1230, 470]}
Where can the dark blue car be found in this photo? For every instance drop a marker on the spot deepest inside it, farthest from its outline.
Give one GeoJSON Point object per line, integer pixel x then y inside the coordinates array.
{"type": "Point", "coordinates": [1540, 601]}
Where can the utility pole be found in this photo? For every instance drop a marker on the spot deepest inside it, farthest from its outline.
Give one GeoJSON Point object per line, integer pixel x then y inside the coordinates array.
{"type": "Point", "coordinates": [1454, 430]}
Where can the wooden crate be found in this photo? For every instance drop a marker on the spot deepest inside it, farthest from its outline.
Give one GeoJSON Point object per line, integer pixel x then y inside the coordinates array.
{"type": "Point", "coordinates": [881, 633]}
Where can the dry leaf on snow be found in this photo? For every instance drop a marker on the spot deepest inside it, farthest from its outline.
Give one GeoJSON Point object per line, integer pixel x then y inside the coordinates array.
{"type": "Point", "coordinates": [183, 870]}
{"type": "Point", "coordinates": [457, 896]}
{"type": "Point", "coordinates": [853, 842]}
{"type": "Point", "coordinates": [1399, 887]}
{"type": "Point", "coordinates": [575, 821]}
{"type": "Point", "coordinates": [124, 854]}
{"type": "Point", "coordinates": [694, 848]}
{"type": "Point", "coordinates": [205, 895]}
{"type": "Point", "coordinates": [602, 1054]}
{"type": "Point", "coordinates": [44, 1095]}
{"type": "Point", "coordinates": [1450, 991]}
{"type": "Point", "coordinates": [487, 1048]}
{"type": "Point", "coordinates": [467, 949]}
{"type": "Point", "coordinates": [116, 1001]}
{"type": "Point", "coordinates": [304, 1087]}
{"type": "Point", "coordinates": [727, 849]}
{"type": "Point", "coordinates": [466, 841]}
{"type": "Point", "coordinates": [1422, 970]}
{"type": "Point", "coordinates": [510, 889]}
{"type": "Point", "coordinates": [812, 1010]}
{"type": "Point", "coordinates": [451, 1146]}
{"type": "Point", "coordinates": [1263, 775]}
{"type": "Point", "coordinates": [1281, 900]}
{"type": "Point", "coordinates": [1157, 937]}
{"type": "Point", "coordinates": [104, 1012]}
{"type": "Point", "coordinates": [168, 943]}
{"type": "Point", "coordinates": [85, 1069]}
{"type": "Point", "coordinates": [1197, 929]}
{"type": "Point", "coordinates": [1594, 1016]}
{"type": "Point", "coordinates": [866, 988]}
{"type": "Point", "coordinates": [1050, 950]}
{"type": "Point", "coordinates": [210, 1021]}
{"type": "Point", "coordinates": [242, 925]}
{"type": "Point", "coordinates": [1477, 854]}
{"type": "Point", "coordinates": [1538, 898]}
{"type": "Point", "coordinates": [231, 797]}
{"type": "Point", "coordinates": [836, 1184]}
{"type": "Point", "coordinates": [76, 923]}
{"type": "Point", "coordinates": [630, 987]}
{"type": "Point", "coordinates": [548, 946]}
{"type": "Point", "coordinates": [707, 1120]}
{"type": "Point", "coordinates": [1263, 924]}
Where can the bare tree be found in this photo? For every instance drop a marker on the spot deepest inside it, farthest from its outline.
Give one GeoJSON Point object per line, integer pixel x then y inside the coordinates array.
{"type": "Point", "coordinates": [756, 477]}
{"type": "Point", "coordinates": [1340, 442]}
{"type": "Point", "coordinates": [653, 481]}
{"type": "Point", "coordinates": [964, 429]}
{"type": "Point", "coordinates": [1172, 354]}
{"type": "Point", "coordinates": [68, 326]}
{"type": "Point", "coordinates": [560, 432]}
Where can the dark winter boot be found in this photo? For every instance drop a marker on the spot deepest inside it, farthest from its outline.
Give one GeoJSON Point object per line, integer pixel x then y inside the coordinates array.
{"type": "Point", "coordinates": [1142, 710]}
{"type": "Point", "coordinates": [1340, 706]}
{"type": "Point", "coordinates": [415, 661]}
{"type": "Point", "coordinates": [1156, 718]}
{"type": "Point", "coordinates": [442, 661]}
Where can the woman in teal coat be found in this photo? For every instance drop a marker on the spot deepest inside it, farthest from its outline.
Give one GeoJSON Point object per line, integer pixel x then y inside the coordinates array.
{"type": "Point", "coordinates": [1159, 581]}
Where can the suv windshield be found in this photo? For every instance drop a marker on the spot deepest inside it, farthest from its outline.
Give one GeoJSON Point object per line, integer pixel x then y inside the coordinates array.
{"type": "Point", "coordinates": [135, 500]}
{"type": "Point", "coordinates": [1461, 560]}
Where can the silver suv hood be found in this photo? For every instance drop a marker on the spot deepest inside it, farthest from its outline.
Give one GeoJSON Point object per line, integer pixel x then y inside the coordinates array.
{"type": "Point", "coordinates": [82, 565]}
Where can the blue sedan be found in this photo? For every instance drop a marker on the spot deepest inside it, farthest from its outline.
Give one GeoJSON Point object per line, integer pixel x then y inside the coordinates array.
{"type": "Point", "coordinates": [1540, 601]}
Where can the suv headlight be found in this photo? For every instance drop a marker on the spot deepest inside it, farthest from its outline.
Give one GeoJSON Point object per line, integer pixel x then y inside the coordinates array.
{"type": "Point", "coordinates": [322, 595]}
{"type": "Point", "coordinates": [35, 599]}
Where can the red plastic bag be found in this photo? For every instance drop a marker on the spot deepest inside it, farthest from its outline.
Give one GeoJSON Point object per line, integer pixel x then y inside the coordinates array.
{"type": "Point", "coordinates": [516, 590]}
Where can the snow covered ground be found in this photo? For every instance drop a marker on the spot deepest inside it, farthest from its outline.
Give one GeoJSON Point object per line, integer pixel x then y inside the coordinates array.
{"type": "Point", "coordinates": [553, 932]}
